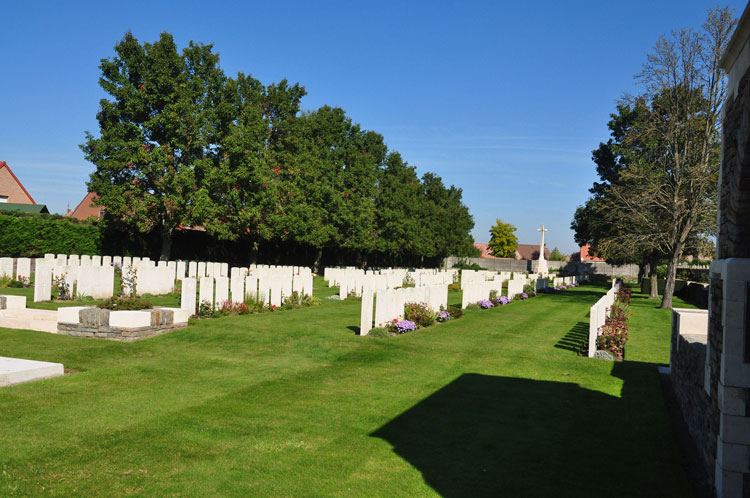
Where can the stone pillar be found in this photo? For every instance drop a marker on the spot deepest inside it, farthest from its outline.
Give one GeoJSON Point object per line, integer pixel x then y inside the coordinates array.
{"type": "Point", "coordinates": [728, 358]}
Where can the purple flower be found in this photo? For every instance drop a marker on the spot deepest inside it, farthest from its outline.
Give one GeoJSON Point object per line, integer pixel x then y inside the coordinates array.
{"type": "Point", "coordinates": [485, 303]}
{"type": "Point", "coordinates": [524, 296]}
{"type": "Point", "coordinates": [405, 326]}
{"type": "Point", "coordinates": [444, 316]}
{"type": "Point", "coordinates": [503, 300]}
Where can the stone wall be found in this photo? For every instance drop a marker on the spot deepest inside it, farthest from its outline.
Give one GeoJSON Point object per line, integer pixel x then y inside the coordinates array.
{"type": "Point", "coordinates": [494, 264]}
{"type": "Point", "coordinates": [95, 323]}
{"type": "Point", "coordinates": [687, 377]}
{"type": "Point", "coordinates": [569, 267]}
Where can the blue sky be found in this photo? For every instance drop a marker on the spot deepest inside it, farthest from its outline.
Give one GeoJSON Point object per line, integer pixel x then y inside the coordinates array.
{"type": "Point", "coordinates": [503, 99]}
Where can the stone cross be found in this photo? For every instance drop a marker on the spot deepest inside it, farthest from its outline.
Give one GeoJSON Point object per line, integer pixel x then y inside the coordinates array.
{"type": "Point", "coordinates": [542, 267]}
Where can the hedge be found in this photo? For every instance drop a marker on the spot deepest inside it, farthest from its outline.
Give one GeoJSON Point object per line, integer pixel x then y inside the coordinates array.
{"type": "Point", "coordinates": [34, 236]}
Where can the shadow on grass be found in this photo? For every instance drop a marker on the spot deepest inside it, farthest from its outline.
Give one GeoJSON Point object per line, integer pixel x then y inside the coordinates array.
{"type": "Point", "coordinates": [484, 435]}
{"type": "Point", "coordinates": [576, 338]}
{"type": "Point", "coordinates": [354, 329]}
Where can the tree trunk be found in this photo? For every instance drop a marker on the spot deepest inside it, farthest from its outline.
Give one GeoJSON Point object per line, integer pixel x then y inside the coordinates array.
{"type": "Point", "coordinates": [318, 265]}
{"type": "Point", "coordinates": [254, 252]}
{"type": "Point", "coordinates": [666, 301]}
{"type": "Point", "coordinates": [642, 266]}
{"type": "Point", "coordinates": [654, 293]}
{"type": "Point", "coordinates": [166, 244]}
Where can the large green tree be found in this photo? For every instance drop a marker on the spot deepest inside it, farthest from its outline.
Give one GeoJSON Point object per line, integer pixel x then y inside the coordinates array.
{"type": "Point", "coordinates": [181, 144]}
{"type": "Point", "coordinates": [157, 133]}
{"type": "Point", "coordinates": [503, 242]}
{"type": "Point", "coordinates": [665, 195]}
{"type": "Point", "coordinates": [242, 193]}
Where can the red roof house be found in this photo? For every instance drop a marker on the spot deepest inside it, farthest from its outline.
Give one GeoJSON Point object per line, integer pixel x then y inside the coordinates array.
{"type": "Point", "coordinates": [86, 208]}
{"type": "Point", "coordinates": [586, 254]}
{"type": "Point", "coordinates": [11, 189]}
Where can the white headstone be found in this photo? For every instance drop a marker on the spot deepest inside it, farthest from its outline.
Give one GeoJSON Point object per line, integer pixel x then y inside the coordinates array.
{"type": "Point", "coordinates": [43, 281]}
{"type": "Point", "coordinates": [180, 270]}
{"type": "Point", "coordinates": [206, 291]}
{"type": "Point", "coordinates": [237, 287]}
{"type": "Point", "coordinates": [23, 268]}
{"type": "Point", "coordinates": [6, 267]}
{"type": "Point", "coordinates": [222, 291]}
{"type": "Point", "coordinates": [187, 299]}
{"type": "Point", "coordinates": [365, 319]}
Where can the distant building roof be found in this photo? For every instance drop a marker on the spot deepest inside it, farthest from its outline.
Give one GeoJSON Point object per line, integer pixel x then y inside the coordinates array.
{"type": "Point", "coordinates": [485, 249]}
{"type": "Point", "coordinates": [586, 254]}
{"type": "Point", "coordinates": [531, 251]}
{"type": "Point", "coordinates": [24, 208]}
{"type": "Point", "coordinates": [11, 188]}
{"type": "Point", "coordinates": [86, 208]}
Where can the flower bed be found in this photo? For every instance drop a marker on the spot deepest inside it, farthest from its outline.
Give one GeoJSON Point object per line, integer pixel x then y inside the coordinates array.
{"type": "Point", "coordinates": [614, 333]}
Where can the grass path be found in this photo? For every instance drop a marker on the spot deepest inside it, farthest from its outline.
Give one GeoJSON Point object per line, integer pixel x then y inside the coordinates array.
{"type": "Point", "coordinates": [295, 404]}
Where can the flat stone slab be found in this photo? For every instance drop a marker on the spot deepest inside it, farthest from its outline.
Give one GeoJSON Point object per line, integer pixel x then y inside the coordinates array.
{"type": "Point", "coordinates": [17, 371]}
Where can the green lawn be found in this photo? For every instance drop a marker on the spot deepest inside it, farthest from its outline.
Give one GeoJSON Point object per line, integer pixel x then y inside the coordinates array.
{"type": "Point", "coordinates": [293, 403]}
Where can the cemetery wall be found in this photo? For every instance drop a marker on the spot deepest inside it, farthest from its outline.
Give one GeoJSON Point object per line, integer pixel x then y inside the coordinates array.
{"type": "Point", "coordinates": [499, 264]}
{"type": "Point", "coordinates": [571, 267]}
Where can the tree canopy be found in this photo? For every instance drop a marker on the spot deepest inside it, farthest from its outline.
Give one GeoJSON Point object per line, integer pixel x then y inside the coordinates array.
{"type": "Point", "coordinates": [503, 242]}
{"type": "Point", "coordinates": [182, 144]}
{"type": "Point", "coordinates": [659, 171]}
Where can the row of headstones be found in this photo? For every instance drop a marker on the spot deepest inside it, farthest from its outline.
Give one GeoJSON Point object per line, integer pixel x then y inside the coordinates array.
{"type": "Point", "coordinates": [335, 276]}
{"type": "Point", "coordinates": [194, 269]}
{"type": "Point", "coordinates": [216, 291]}
{"type": "Point", "coordinates": [598, 315]}
{"type": "Point", "coordinates": [357, 281]}
{"type": "Point", "coordinates": [481, 290]}
{"type": "Point", "coordinates": [94, 276]}
{"type": "Point", "coordinates": [557, 281]}
{"type": "Point", "coordinates": [22, 269]}
{"type": "Point", "coordinates": [95, 281]}
{"type": "Point", "coordinates": [389, 304]}
{"type": "Point", "coordinates": [471, 276]}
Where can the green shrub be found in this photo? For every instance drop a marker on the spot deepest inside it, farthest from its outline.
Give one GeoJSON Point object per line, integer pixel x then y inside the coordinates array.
{"type": "Point", "coordinates": [420, 314]}
{"type": "Point", "coordinates": [34, 236]}
{"type": "Point", "coordinates": [117, 303]}
{"type": "Point", "coordinates": [455, 312]}
{"type": "Point", "coordinates": [453, 287]}
{"type": "Point", "coordinates": [380, 332]}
